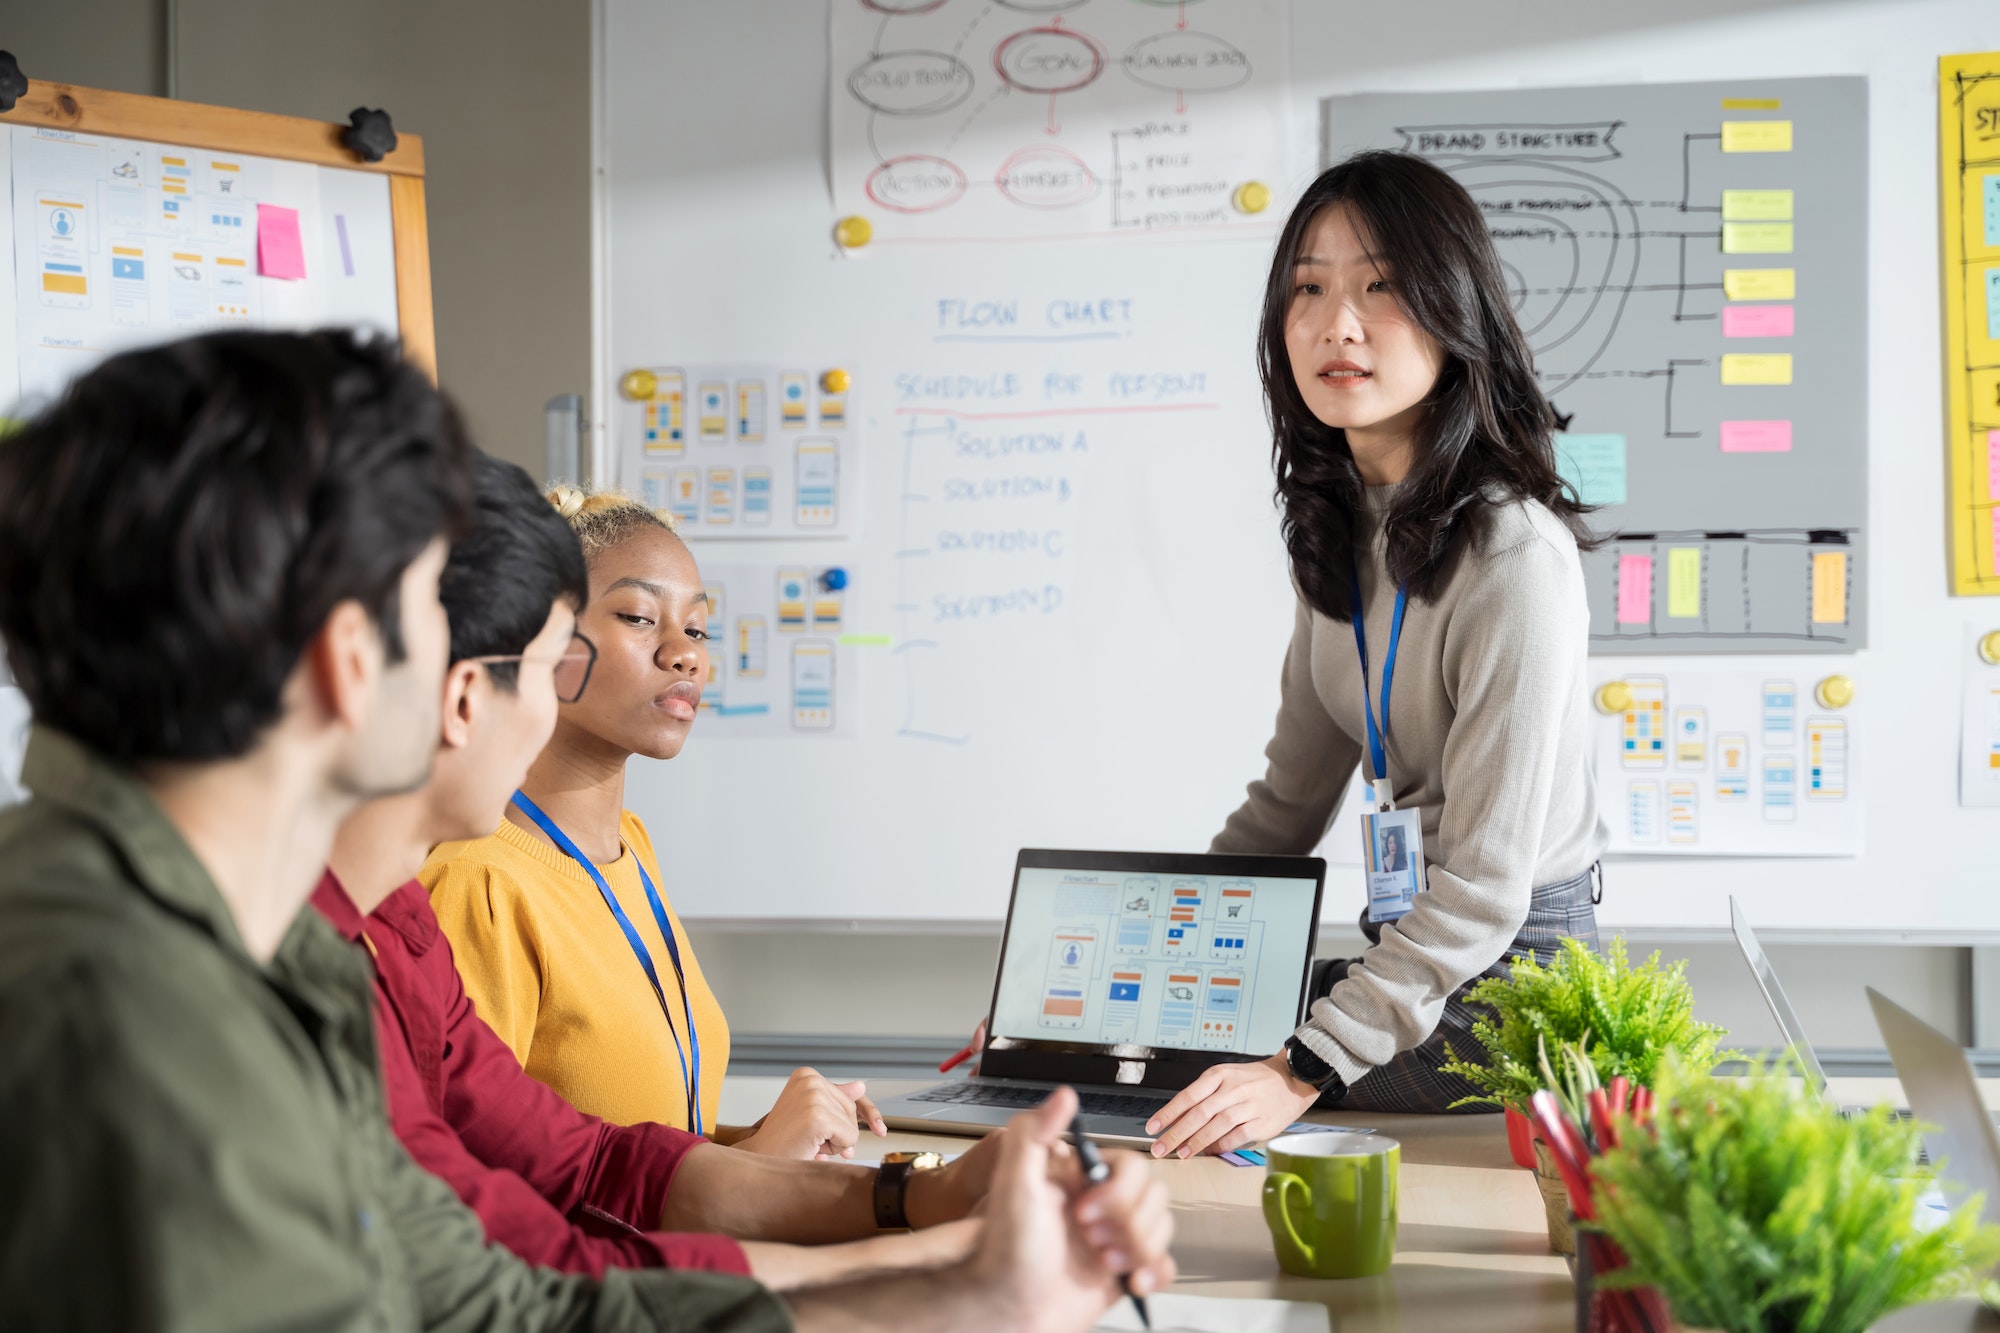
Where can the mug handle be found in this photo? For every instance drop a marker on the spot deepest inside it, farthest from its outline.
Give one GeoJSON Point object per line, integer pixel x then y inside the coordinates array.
{"type": "Point", "coordinates": [1277, 1186]}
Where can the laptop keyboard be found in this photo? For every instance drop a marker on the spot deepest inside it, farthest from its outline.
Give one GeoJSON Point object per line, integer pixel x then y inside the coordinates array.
{"type": "Point", "coordinates": [1020, 1099]}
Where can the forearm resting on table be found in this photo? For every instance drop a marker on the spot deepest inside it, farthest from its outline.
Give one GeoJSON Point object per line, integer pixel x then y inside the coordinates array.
{"type": "Point", "coordinates": [750, 1197]}
{"type": "Point", "coordinates": [792, 1267]}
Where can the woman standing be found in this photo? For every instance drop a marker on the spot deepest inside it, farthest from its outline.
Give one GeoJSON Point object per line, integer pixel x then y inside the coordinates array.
{"type": "Point", "coordinates": [1439, 640]}
{"type": "Point", "coordinates": [559, 920]}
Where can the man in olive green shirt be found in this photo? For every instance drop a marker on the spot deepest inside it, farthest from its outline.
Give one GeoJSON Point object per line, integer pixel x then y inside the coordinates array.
{"type": "Point", "coordinates": [218, 588]}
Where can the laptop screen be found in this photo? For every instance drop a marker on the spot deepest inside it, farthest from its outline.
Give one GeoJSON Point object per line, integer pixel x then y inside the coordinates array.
{"type": "Point", "coordinates": [1144, 956]}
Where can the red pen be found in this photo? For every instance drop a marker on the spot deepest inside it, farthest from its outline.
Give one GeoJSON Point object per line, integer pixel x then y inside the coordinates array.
{"type": "Point", "coordinates": [956, 1061]}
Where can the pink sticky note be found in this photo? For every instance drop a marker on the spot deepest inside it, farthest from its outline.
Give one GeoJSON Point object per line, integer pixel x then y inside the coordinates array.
{"type": "Point", "coordinates": [1993, 467]}
{"type": "Point", "coordinates": [1756, 321]}
{"type": "Point", "coordinates": [1756, 437]}
{"type": "Point", "coordinates": [1635, 589]}
{"type": "Point", "coordinates": [280, 252]}
{"type": "Point", "coordinates": [1994, 515]}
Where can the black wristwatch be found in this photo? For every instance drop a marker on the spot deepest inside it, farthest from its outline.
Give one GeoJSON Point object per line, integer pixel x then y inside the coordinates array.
{"type": "Point", "coordinates": [1307, 1067]}
{"type": "Point", "coordinates": [892, 1185]}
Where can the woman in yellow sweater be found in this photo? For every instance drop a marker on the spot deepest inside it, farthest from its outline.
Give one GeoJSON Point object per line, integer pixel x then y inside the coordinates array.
{"type": "Point", "coordinates": [567, 944]}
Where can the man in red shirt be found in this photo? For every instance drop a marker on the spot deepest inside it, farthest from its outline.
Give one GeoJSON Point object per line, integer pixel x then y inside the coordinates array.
{"type": "Point", "coordinates": [557, 1187]}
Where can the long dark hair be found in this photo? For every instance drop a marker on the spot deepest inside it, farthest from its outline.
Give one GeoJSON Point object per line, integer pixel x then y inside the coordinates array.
{"type": "Point", "coordinates": [1486, 433]}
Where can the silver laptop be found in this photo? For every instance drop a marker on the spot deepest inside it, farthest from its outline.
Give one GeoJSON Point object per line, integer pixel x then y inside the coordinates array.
{"type": "Point", "coordinates": [1125, 975]}
{"type": "Point", "coordinates": [1943, 1089]}
{"type": "Point", "coordinates": [1774, 996]}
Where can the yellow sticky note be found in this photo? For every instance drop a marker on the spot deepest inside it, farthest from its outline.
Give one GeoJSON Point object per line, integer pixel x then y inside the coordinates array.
{"type": "Point", "coordinates": [1829, 588]}
{"type": "Point", "coordinates": [1756, 205]}
{"type": "Point", "coordinates": [1756, 136]}
{"type": "Point", "coordinates": [1752, 104]}
{"type": "Point", "coordinates": [1756, 238]}
{"type": "Point", "coordinates": [1760, 284]}
{"type": "Point", "coordinates": [1757, 368]}
{"type": "Point", "coordinates": [1684, 582]}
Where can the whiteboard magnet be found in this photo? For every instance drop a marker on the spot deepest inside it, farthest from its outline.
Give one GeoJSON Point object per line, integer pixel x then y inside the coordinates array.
{"type": "Point", "coordinates": [1989, 648]}
{"type": "Point", "coordinates": [1835, 692]}
{"type": "Point", "coordinates": [835, 381]}
{"type": "Point", "coordinates": [639, 385]}
{"type": "Point", "coordinates": [833, 580]}
{"type": "Point", "coordinates": [853, 232]}
{"type": "Point", "coordinates": [1252, 197]}
{"type": "Point", "coordinates": [1613, 696]}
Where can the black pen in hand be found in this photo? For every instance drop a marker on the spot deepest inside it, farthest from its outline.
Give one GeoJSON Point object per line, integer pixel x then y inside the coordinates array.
{"type": "Point", "coordinates": [1096, 1171]}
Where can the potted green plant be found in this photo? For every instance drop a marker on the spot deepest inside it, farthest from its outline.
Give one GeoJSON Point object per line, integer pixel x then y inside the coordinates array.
{"type": "Point", "coordinates": [1625, 1018]}
{"type": "Point", "coordinates": [1754, 1207]}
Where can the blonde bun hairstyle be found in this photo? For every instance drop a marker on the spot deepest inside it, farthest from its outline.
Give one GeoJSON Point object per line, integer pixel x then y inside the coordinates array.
{"type": "Point", "coordinates": [604, 519]}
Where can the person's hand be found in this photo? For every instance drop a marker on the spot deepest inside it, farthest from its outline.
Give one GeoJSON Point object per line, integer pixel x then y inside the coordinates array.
{"type": "Point", "coordinates": [1229, 1106]}
{"type": "Point", "coordinates": [956, 1188]}
{"type": "Point", "coordinates": [814, 1118]}
{"type": "Point", "coordinates": [1050, 1262]}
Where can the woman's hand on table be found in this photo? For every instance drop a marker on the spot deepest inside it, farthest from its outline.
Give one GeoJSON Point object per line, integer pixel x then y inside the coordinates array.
{"type": "Point", "coordinates": [814, 1118]}
{"type": "Point", "coordinates": [1229, 1106]}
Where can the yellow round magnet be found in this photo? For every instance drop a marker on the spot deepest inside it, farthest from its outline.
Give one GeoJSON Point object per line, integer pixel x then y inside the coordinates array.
{"type": "Point", "coordinates": [835, 381]}
{"type": "Point", "coordinates": [1835, 692]}
{"type": "Point", "coordinates": [1989, 648]}
{"type": "Point", "coordinates": [1613, 696]}
{"type": "Point", "coordinates": [1252, 197]}
{"type": "Point", "coordinates": [639, 385]}
{"type": "Point", "coordinates": [853, 232]}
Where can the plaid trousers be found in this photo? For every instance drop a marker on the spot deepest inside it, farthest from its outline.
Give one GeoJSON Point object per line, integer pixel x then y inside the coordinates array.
{"type": "Point", "coordinates": [1411, 1081]}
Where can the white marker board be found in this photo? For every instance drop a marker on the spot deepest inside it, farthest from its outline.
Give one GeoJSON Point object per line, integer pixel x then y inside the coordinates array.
{"type": "Point", "coordinates": [1134, 714]}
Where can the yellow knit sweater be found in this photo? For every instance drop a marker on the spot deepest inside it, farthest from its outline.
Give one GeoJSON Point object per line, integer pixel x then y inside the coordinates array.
{"type": "Point", "coordinates": [550, 971]}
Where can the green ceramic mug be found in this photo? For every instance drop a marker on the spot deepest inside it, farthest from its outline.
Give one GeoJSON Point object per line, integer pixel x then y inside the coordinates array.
{"type": "Point", "coordinates": [1330, 1201]}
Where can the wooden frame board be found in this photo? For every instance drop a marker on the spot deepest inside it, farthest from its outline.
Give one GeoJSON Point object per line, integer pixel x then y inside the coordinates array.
{"type": "Point", "coordinates": [1969, 177]}
{"type": "Point", "coordinates": [64, 106]}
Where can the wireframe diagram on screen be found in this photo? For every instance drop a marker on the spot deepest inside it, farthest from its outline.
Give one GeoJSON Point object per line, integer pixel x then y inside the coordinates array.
{"type": "Point", "coordinates": [1180, 961]}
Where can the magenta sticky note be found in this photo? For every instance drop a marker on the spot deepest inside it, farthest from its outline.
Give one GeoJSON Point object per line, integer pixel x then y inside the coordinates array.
{"type": "Point", "coordinates": [280, 251]}
{"type": "Point", "coordinates": [1756, 437]}
{"type": "Point", "coordinates": [1635, 589]}
{"type": "Point", "coordinates": [1756, 321]}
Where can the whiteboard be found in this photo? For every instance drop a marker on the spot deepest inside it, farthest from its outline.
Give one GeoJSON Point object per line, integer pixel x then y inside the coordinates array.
{"type": "Point", "coordinates": [161, 242]}
{"type": "Point", "coordinates": [1134, 713]}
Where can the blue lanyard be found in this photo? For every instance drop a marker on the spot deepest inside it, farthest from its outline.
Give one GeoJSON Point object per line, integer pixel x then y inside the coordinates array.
{"type": "Point", "coordinates": [1378, 748]}
{"type": "Point", "coordinates": [561, 839]}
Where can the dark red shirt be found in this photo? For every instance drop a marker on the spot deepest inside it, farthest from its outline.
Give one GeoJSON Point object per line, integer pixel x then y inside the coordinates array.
{"type": "Point", "coordinates": [557, 1187]}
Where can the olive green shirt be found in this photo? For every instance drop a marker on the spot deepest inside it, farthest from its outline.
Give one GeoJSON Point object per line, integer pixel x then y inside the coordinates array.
{"type": "Point", "coordinates": [189, 1141]}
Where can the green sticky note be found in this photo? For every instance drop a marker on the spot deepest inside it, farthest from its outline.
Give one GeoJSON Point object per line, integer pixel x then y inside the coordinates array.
{"type": "Point", "coordinates": [1756, 238]}
{"type": "Point", "coordinates": [1756, 205]}
{"type": "Point", "coordinates": [1684, 582]}
{"type": "Point", "coordinates": [1594, 465]}
{"type": "Point", "coordinates": [865, 640]}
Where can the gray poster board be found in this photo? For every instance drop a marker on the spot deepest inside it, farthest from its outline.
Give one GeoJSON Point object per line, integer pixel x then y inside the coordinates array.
{"type": "Point", "coordinates": [1607, 208]}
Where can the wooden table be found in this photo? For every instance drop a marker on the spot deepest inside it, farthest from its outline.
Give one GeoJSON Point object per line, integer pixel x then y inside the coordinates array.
{"type": "Point", "coordinates": [1472, 1248]}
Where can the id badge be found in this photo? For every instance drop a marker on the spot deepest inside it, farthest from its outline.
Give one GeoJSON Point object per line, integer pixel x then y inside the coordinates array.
{"type": "Point", "coordinates": [1392, 858]}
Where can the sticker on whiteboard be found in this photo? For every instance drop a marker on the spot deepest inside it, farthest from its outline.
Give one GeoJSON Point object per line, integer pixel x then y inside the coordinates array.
{"type": "Point", "coordinates": [756, 497]}
{"type": "Point", "coordinates": [712, 417]}
{"type": "Point", "coordinates": [1691, 737]}
{"type": "Point", "coordinates": [1642, 810]}
{"type": "Point", "coordinates": [1781, 714]}
{"type": "Point", "coordinates": [1732, 767]}
{"type": "Point", "coordinates": [792, 594]}
{"type": "Point", "coordinates": [1644, 741]}
{"type": "Point", "coordinates": [749, 411]}
{"type": "Point", "coordinates": [812, 684]}
{"type": "Point", "coordinates": [1681, 811]}
{"type": "Point", "coordinates": [1826, 759]}
{"type": "Point", "coordinates": [684, 500]}
{"type": "Point", "coordinates": [721, 495]}
{"type": "Point", "coordinates": [666, 416]}
{"type": "Point", "coordinates": [792, 402]}
{"type": "Point", "coordinates": [753, 647]}
{"type": "Point", "coordinates": [818, 483]}
{"type": "Point", "coordinates": [1781, 789]}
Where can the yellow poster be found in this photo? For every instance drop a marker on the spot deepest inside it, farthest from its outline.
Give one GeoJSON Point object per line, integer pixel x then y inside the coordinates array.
{"type": "Point", "coordinates": [1969, 177]}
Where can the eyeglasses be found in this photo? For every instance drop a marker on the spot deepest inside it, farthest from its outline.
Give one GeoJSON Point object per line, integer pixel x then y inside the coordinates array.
{"type": "Point", "coordinates": [572, 671]}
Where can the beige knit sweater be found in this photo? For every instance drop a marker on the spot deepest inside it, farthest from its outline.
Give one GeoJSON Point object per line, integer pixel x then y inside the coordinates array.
{"type": "Point", "coordinates": [1488, 734]}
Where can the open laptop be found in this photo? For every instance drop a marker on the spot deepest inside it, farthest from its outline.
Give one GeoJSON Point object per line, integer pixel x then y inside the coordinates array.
{"type": "Point", "coordinates": [1125, 975]}
{"type": "Point", "coordinates": [1943, 1089]}
{"type": "Point", "coordinates": [1774, 997]}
